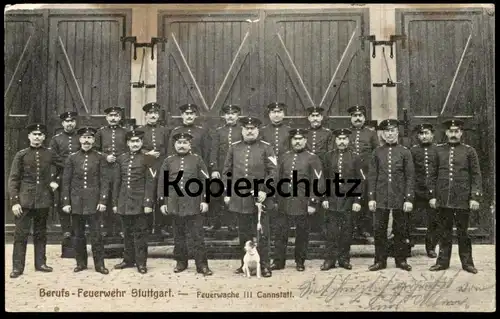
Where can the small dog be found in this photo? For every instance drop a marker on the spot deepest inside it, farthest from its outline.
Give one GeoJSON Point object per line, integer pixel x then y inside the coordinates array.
{"type": "Point", "coordinates": [251, 261]}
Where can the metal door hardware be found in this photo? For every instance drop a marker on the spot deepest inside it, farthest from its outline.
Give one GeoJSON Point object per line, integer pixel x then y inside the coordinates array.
{"type": "Point", "coordinates": [390, 42]}
{"type": "Point", "coordinates": [133, 40]}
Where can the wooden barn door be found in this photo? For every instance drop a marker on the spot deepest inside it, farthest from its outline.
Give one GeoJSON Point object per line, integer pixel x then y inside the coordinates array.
{"type": "Point", "coordinates": [316, 58]}
{"type": "Point", "coordinates": [89, 70]}
{"type": "Point", "coordinates": [24, 85]}
{"type": "Point", "coordinates": [210, 59]}
{"type": "Point", "coordinates": [444, 72]}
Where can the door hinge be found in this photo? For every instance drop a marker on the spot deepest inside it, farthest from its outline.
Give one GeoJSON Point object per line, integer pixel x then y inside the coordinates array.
{"type": "Point", "coordinates": [390, 42]}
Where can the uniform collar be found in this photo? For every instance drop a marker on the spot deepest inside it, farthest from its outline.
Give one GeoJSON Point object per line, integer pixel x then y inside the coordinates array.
{"type": "Point", "coordinates": [36, 148]}
{"type": "Point", "coordinates": [391, 144]}
{"type": "Point", "coordinates": [85, 152]}
{"type": "Point", "coordinates": [345, 150]}
{"type": "Point", "coordinates": [250, 142]}
{"type": "Point", "coordinates": [152, 125]}
{"type": "Point", "coordinates": [316, 128]}
{"type": "Point", "coordinates": [232, 125]}
{"type": "Point", "coordinates": [69, 134]}
{"type": "Point", "coordinates": [135, 153]}
{"type": "Point", "coordinates": [277, 124]}
{"type": "Point", "coordinates": [113, 126]}
{"type": "Point", "coordinates": [357, 128]}
{"type": "Point", "coordinates": [299, 151]}
{"type": "Point", "coordinates": [454, 143]}
{"type": "Point", "coordinates": [183, 155]}
{"type": "Point", "coordinates": [425, 144]}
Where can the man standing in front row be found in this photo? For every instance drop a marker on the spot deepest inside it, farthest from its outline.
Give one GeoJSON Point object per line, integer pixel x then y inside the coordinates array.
{"type": "Point", "coordinates": [251, 159]}
{"type": "Point", "coordinates": [85, 192]}
{"type": "Point", "coordinates": [303, 201]}
{"type": "Point", "coordinates": [391, 188]}
{"type": "Point", "coordinates": [458, 190]}
{"type": "Point", "coordinates": [341, 205]}
{"type": "Point", "coordinates": [424, 158]}
{"type": "Point", "coordinates": [188, 211]}
{"type": "Point", "coordinates": [133, 199]}
{"type": "Point", "coordinates": [31, 180]}
{"type": "Point", "coordinates": [63, 144]}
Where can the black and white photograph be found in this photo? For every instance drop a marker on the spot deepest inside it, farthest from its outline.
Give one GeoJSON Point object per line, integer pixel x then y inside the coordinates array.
{"type": "Point", "coordinates": [238, 157]}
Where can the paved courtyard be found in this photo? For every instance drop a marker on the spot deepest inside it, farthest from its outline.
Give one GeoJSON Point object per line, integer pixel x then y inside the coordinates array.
{"type": "Point", "coordinates": [160, 290]}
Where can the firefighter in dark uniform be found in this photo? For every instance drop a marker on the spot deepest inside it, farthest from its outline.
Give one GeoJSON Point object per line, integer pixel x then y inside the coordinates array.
{"type": "Point", "coordinates": [31, 181]}
{"type": "Point", "coordinates": [297, 164]}
{"type": "Point", "coordinates": [341, 164]}
{"type": "Point", "coordinates": [222, 139]}
{"type": "Point", "coordinates": [110, 140]}
{"type": "Point", "coordinates": [133, 199]}
{"type": "Point", "coordinates": [155, 144]}
{"type": "Point", "coordinates": [251, 159]}
{"type": "Point", "coordinates": [320, 141]}
{"type": "Point", "coordinates": [458, 189]}
{"type": "Point", "coordinates": [363, 141]}
{"type": "Point", "coordinates": [276, 133]}
{"type": "Point", "coordinates": [187, 210]}
{"type": "Point", "coordinates": [63, 144]}
{"type": "Point", "coordinates": [424, 158]}
{"type": "Point", "coordinates": [199, 145]}
{"type": "Point", "coordinates": [85, 192]}
{"type": "Point", "coordinates": [391, 176]}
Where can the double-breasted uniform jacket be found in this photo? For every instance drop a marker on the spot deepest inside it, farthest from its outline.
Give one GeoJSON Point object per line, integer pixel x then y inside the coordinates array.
{"type": "Point", "coordinates": [308, 167]}
{"type": "Point", "coordinates": [391, 176]}
{"type": "Point", "coordinates": [253, 161]}
{"type": "Point", "coordinates": [363, 142]}
{"type": "Point", "coordinates": [278, 136]}
{"type": "Point", "coordinates": [192, 166]}
{"type": "Point", "coordinates": [111, 140]}
{"type": "Point", "coordinates": [320, 140]}
{"type": "Point", "coordinates": [32, 171]}
{"type": "Point", "coordinates": [348, 165]}
{"type": "Point", "coordinates": [155, 138]}
{"type": "Point", "coordinates": [86, 181]}
{"type": "Point", "coordinates": [424, 159]}
{"type": "Point", "coordinates": [458, 176]}
{"type": "Point", "coordinates": [133, 183]}
{"type": "Point", "coordinates": [63, 144]}
{"type": "Point", "coordinates": [222, 139]}
{"type": "Point", "coordinates": [199, 144]}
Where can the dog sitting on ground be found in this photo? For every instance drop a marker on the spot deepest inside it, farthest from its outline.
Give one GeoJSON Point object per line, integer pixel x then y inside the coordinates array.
{"type": "Point", "coordinates": [251, 261]}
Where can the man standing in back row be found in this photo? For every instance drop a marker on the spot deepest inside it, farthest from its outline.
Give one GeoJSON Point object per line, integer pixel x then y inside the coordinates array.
{"type": "Point", "coordinates": [458, 191]}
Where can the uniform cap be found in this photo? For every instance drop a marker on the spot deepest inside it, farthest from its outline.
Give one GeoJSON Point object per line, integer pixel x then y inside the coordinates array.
{"type": "Point", "coordinates": [179, 136]}
{"type": "Point", "coordinates": [37, 127]}
{"type": "Point", "coordinates": [68, 116]}
{"type": "Point", "coordinates": [134, 133]}
{"type": "Point", "coordinates": [152, 106]}
{"type": "Point", "coordinates": [342, 131]}
{"type": "Point", "coordinates": [231, 108]}
{"type": "Point", "coordinates": [315, 109]}
{"type": "Point", "coordinates": [297, 131]}
{"type": "Point", "coordinates": [276, 106]}
{"type": "Point", "coordinates": [387, 124]}
{"type": "Point", "coordinates": [87, 130]}
{"type": "Point", "coordinates": [113, 109]}
{"type": "Point", "coordinates": [453, 122]}
{"type": "Point", "coordinates": [423, 126]}
{"type": "Point", "coordinates": [188, 107]}
{"type": "Point", "coordinates": [356, 108]}
{"type": "Point", "coordinates": [250, 121]}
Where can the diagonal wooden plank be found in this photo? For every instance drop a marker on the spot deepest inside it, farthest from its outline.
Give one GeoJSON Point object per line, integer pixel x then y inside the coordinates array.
{"type": "Point", "coordinates": [293, 74]}
{"type": "Point", "coordinates": [339, 74]}
{"type": "Point", "coordinates": [233, 72]}
{"type": "Point", "coordinates": [70, 77]}
{"type": "Point", "coordinates": [458, 78]}
{"type": "Point", "coordinates": [21, 66]}
{"type": "Point", "coordinates": [188, 76]}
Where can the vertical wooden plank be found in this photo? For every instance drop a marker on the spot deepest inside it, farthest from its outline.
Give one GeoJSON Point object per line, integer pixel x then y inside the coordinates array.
{"type": "Point", "coordinates": [190, 50]}
{"type": "Point", "coordinates": [334, 61]}
{"type": "Point", "coordinates": [104, 66]}
{"type": "Point", "coordinates": [306, 52]}
{"type": "Point", "coordinates": [343, 37]}
{"type": "Point", "coordinates": [227, 55]}
{"type": "Point", "coordinates": [62, 98]}
{"type": "Point", "coordinates": [67, 32]}
{"type": "Point", "coordinates": [79, 62]}
{"type": "Point", "coordinates": [220, 65]}
{"type": "Point", "coordinates": [115, 46]}
{"type": "Point", "coordinates": [430, 68]}
{"type": "Point", "coordinates": [283, 82]}
{"type": "Point", "coordinates": [95, 84]}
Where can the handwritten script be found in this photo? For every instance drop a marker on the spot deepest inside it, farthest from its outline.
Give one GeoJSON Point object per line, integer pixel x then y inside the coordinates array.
{"type": "Point", "coordinates": [392, 292]}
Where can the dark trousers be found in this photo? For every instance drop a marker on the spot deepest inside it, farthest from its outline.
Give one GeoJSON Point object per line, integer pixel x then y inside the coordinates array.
{"type": "Point", "coordinates": [135, 230]}
{"type": "Point", "coordinates": [400, 231]}
{"type": "Point", "coordinates": [461, 218]}
{"type": "Point", "coordinates": [192, 226]}
{"type": "Point", "coordinates": [338, 236]}
{"type": "Point", "coordinates": [21, 233]}
{"type": "Point", "coordinates": [302, 228]}
{"type": "Point", "coordinates": [219, 215]}
{"type": "Point", "coordinates": [247, 230]}
{"type": "Point", "coordinates": [65, 220]}
{"type": "Point", "coordinates": [80, 241]}
{"type": "Point", "coordinates": [111, 222]}
{"type": "Point", "coordinates": [363, 220]}
{"type": "Point", "coordinates": [422, 208]}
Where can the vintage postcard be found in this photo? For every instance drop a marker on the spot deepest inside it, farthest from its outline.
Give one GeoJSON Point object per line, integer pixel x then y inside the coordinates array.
{"type": "Point", "coordinates": [249, 157]}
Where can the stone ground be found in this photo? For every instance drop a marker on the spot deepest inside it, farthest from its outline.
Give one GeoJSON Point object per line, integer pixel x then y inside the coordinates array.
{"type": "Point", "coordinates": [313, 290]}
